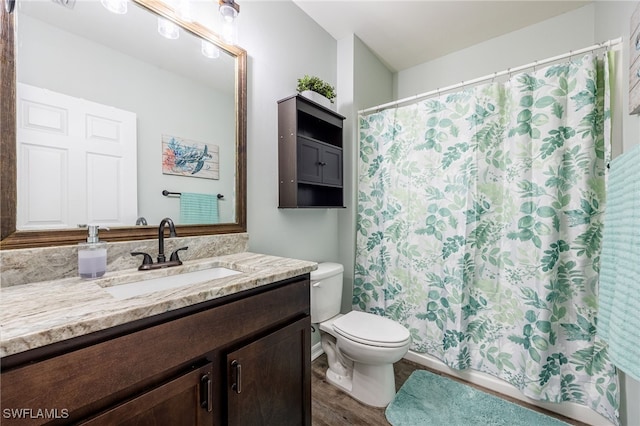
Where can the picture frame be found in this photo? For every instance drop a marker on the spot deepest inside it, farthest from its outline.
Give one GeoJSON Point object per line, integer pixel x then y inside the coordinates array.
{"type": "Point", "coordinates": [634, 65]}
{"type": "Point", "coordinates": [184, 157]}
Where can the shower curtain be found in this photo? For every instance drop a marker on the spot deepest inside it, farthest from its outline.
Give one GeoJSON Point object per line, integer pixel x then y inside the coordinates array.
{"type": "Point", "coordinates": [479, 228]}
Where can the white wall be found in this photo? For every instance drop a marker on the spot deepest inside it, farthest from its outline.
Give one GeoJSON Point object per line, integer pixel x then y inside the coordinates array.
{"type": "Point", "coordinates": [570, 31]}
{"type": "Point", "coordinates": [283, 44]}
{"type": "Point", "coordinates": [346, 218]}
{"type": "Point", "coordinates": [369, 82]}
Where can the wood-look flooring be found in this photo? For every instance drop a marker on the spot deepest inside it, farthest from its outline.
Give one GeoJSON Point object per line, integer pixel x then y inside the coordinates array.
{"type": "Point", "coordinates": [332, 407]}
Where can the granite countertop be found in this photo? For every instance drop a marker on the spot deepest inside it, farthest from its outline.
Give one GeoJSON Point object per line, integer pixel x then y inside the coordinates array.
{"type": "Point", "coordinates": [38, 314]}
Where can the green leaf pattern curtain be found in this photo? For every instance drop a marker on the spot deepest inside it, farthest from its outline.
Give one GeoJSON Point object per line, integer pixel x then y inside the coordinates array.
{"type": "Point", "coordinates": [479, 228]}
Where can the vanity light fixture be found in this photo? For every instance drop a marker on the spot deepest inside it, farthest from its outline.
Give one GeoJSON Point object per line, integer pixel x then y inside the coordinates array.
{"type": "Point", "coordinates": [115, 6]}
{"type": "Point", "coordinates": [209, 50]}
{"type": "Point", "coordinates": [168, 29]}
{"type": "Point", "coordinates": [229, 10]}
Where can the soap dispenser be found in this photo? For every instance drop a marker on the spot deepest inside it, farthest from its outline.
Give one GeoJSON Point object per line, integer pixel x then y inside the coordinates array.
{"type": "Point", "coordinates": [92, 255]}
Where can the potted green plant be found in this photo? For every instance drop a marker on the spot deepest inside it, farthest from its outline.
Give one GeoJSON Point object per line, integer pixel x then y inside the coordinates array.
{"type": "Point", "coordinates": [311, 86]}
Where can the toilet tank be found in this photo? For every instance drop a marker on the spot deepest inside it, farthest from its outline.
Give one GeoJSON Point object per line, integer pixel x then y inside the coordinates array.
{"type": "Point", "coordinates": [326, 291]}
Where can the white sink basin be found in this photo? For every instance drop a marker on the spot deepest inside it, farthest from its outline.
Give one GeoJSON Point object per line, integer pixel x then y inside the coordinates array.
{"type": "Point", "coordinates": [124, 291]}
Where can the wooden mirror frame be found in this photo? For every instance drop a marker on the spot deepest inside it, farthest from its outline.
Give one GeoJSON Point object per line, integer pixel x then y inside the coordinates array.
{"type": "Point", "coordinates": [10, 238]}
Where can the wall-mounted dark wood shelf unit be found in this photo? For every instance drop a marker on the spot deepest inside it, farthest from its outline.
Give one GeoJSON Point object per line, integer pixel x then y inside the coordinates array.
{"type": "Point", "coordinates": [309, 155]}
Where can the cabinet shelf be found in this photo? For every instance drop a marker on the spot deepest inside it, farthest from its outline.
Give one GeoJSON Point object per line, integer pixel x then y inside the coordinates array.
{"type": "Point", "coordinates": [318, 141]}
{"type": "Point", "coordinates": [309, 155]}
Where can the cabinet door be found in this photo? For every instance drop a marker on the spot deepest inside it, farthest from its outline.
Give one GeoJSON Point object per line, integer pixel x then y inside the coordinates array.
{"type": "Point", "coordinates": [309, 161]}
{"type": "Point", "coordinates": [270, 379]}
{"type": "Point", "coordinates": [331, 166]}
{"type": "Point", "coordinates": [185, 400]}
{"type": "Point", "coordinates": [319, 163]}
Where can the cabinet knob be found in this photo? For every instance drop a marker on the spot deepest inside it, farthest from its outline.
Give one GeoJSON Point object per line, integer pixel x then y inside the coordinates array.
{"type": "Point", "coordinates": [321, 163]}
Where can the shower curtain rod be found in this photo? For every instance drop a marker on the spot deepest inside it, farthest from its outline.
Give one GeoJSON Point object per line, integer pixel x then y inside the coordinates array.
{"type": "Point", "coordinates": [604, 44]}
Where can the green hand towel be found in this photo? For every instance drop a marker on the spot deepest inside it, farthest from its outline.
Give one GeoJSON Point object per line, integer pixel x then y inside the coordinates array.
{"type": "Point", "coordinates": [198, 208]}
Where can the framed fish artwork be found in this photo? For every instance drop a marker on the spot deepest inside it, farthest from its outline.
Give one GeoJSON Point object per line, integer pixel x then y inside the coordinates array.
{"type": "Point", "coordinates": [184, 157]}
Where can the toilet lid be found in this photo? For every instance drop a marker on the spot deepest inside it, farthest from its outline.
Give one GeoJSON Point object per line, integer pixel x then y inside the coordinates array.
{"type": "Point", "coordinates": [371, 329]}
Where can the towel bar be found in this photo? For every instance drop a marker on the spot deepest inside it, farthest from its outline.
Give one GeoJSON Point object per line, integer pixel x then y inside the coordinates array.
{"type": "Point", "coordinates": [168, 193]}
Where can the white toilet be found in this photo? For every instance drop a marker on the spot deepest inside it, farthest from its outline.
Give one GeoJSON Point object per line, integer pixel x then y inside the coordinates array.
{"type": "Point", "coordinates": [361, 347]}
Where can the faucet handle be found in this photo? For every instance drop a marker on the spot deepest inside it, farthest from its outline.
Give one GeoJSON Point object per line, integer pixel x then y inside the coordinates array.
{"type": "Point", "coordinates": [147, 260]}
{"type": "Point", "coordinates": [174, 255]}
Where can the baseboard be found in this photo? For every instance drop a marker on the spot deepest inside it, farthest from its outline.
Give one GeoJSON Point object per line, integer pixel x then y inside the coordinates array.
{"type": "Point", "coordinates": [567, 409]}
{"type": "Point", "coordinates": [316, 351]}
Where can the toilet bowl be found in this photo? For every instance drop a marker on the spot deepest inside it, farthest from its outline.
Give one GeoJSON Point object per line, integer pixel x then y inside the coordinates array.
{"type": "Point", "coordinates": [361, 347]}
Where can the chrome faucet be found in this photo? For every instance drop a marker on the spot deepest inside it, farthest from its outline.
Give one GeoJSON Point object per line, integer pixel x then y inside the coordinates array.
{"type": "Point", "coordinates": [174, 260]}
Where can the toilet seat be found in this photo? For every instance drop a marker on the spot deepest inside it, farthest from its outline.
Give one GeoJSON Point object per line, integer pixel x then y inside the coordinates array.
{"type": "Point", "coordinates": [372, 330]}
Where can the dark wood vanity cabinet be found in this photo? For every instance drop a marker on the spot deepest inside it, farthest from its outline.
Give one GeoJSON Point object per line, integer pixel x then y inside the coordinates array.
{"type": "Point", "coordinates": [239, 360]}
{"type": "Point", "coordinates": [310, 165]}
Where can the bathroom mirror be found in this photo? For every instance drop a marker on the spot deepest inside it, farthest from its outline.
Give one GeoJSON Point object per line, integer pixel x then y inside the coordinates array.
{"type": "Point", "coordinates": [218, 120]}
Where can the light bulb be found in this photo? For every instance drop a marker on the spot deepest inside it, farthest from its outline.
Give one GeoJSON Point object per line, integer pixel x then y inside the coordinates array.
{"type": "Point", "coordinates": [228, 12]}
{"type": "Point", "coordinates": [210, 50]}
{"type": "Point", "coordinates": [229, 33]}
{"type": "Point", "coordinates": [115, 6]}
{"type": "Point", "coordinates": [168, 29]}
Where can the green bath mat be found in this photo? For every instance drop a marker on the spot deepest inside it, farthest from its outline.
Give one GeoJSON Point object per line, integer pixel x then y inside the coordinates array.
{"type": "Point", "coordinates": [429, 399]}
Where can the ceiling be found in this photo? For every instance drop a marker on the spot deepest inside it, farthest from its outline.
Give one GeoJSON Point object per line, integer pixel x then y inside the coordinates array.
{"type": "Point", "coordinates": [407, 33]}
{"type": "Point", "coordinates": [137, 37]}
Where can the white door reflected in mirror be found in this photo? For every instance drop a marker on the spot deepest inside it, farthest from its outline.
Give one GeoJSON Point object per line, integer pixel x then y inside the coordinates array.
{"type": "Point", "coordinates": [76, 162]}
